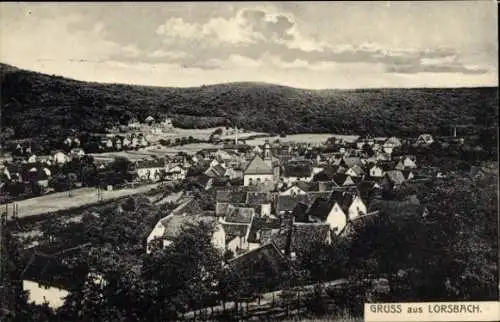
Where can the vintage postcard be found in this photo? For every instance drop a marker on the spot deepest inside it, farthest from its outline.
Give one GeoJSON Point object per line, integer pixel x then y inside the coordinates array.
{"type": "Point", "coordinates": [247, 161]}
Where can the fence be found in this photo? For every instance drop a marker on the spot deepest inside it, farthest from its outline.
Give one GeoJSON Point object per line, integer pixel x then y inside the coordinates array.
{"type": "Point", "coordinates": [291, 304]}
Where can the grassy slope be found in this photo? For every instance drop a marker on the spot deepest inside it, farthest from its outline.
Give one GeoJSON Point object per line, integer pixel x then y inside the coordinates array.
{"type": "Point", "coordinates": [50, 104]}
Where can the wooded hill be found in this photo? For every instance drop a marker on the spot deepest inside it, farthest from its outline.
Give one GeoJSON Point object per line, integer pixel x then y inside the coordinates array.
{"type": "Point", "coordinates": [52, 105]}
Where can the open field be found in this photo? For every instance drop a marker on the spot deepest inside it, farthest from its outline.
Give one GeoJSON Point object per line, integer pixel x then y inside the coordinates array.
{"type": "Point", "coordinates": [153, 151]}
{"type": "Point", "coordinates": [313, 138]}
{"type": "Point", "coordinates": [60, 201]}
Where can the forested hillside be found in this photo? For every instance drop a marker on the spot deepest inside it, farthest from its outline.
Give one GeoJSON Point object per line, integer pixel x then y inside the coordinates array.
{"type": "Point", "coordinates": [51, 105]}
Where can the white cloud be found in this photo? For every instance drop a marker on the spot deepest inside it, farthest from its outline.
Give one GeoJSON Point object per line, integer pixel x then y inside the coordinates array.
{"type": "Point", "coordinates": [177, 28]}
{"type": "Point", "coordinates": [49, 39]}
{"type": "Point", "coordinates": [452, 59]}
{"type": "Point", "coordinates": [159, 53]}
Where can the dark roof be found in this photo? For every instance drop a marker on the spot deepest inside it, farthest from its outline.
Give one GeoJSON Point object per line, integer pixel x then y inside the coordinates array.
{"type": "Point", "coordinates": [240, 215]}
{"type": "Point", "coordinates": [366, 190]}
{"type": "Point", "coordinates": [297, 170]}
{"type": "Point", "coordinates": [304, 236]}
{"type": "Point", "coordinates": [343, 198]}
{"type": "Point", "coordinates": [406, 173]}
{"type": "Point", "coordinates": [258, 198]}
{"type": "Point", "coordinates": [174, 224]}
{"type": "Point", "coordinates": [260, 224]}
{"type": "Point", "coordinates": [395, 176]}
{"type": "Point", "coordinates": [326, 185]}
{"type": "Point", "coordinates": [266, 259]}
{"type": "Point", "coordinates": [258, 166]}
{"type": "Point", "coordinates": [410, 206]}
{"type": "Point", "coordinates": [231, 196]}
{"type": "Point", "coordinates": [288, 203]}
{"type": "Point", "coordinates": [235, 230]}
{"type": "Point", "coordinates": [360, 222]}
{"type": "Point", "coordinates": [387, 165]}
{"type": "Point", "coordinates": [300, 212]}
{"type": "Point", "coordinates": [318, 194]}
{"type": "Point", "coordinates": [351, 161]}
{"type": "Point", "coordinates": [320, 208]}
{"type": "Point", "coordinates": [147, 164]}
{"type": "Point", "coordinates": [305, 186]}
{"type": "Point", "coordinates": [49, 268]}
{"type": "Point", "coordinates": [188, 207]}
{"type": "Point", "coordinates": [340, 179]}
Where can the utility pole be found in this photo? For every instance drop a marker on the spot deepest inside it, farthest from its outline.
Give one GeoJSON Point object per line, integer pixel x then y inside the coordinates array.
{"type": "Point", "coordinates": [3, 222]}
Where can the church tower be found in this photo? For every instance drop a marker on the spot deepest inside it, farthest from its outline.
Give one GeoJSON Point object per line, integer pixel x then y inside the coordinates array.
{"type": "Point", "coordinates": [267, 151]}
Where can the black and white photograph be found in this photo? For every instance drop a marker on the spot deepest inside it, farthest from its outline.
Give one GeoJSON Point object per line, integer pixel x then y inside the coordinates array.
{"type": "Point", "coordinates": [249, 161]}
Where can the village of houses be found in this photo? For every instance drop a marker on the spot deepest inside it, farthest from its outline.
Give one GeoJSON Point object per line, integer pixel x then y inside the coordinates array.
{"type": "Point", "coordinates": [312, 190]}
{"type": "Point", "coordinates": [260, 189]}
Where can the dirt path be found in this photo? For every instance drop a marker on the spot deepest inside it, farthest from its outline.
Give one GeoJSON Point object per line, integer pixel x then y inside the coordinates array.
{"type": "Point", "coordinates": [60, 201]}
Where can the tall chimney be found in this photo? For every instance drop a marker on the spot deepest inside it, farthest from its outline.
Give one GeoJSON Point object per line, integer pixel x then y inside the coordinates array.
{"type": "Point", "coordinates": [236, 135]}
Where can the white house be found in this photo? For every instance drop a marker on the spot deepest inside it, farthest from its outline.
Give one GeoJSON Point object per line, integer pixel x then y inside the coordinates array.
{"type": "Point", "coordinates": [151, 169]}
{"type": "Point", "coordinates": [336, 219]}
{"type": "Point", "coordinates": [292, 191]}
{"type": "Point", "coordinates": [32, 159]}
{"type": "Point", "coordinates": [78, 152]}
{"type": "Point", "coordinates": [169, 227]}
{"type": "Point", "coordinates": [176, 173]}
{"type": "Point", "coordinates": [60, 157]}
{"type": "Point", "coordinates": [425, 139]}
{"type": "Point", "coordinates": [40, 294]}
{"type": "Point", "coordinates": [376, 172]}
{"type": "Point", "coordinates": [390, 144]}
{"type": "Point", "coordinates": [355, 171]}
{"type": "Point", "coordinates": [410, 162]}
{"type": "Point", "coordinates": [257, 171]}
{"type": "Point", "coordinates": [357, 208]}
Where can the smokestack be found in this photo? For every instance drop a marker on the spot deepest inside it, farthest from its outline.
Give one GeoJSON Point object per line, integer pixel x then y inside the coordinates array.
{"type": "Point", "coordinates": [236, 136]}
{"type": "Point", "coordinates": [454, 131]}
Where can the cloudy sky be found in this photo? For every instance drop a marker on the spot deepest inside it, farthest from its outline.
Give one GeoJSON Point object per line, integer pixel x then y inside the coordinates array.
{"type": "Point", "coordinates": [308, 45]}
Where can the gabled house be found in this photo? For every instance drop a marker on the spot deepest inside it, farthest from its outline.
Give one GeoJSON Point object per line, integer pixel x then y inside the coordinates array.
{"type": "Point", "coordinates": [355, 171]}
{"type": "Point", "coordinates": [424, 139]}
{"type": "Point", "coordinates": [393, 178]}
{"type": "Point", "coordinates": [328, 211]}
{"type": "Point", "coordinates": [410, 162]}
{"type": "Point", "coordinates": [225, 198]}
{"type": "Point", "coordinates": [349, 162]}
{"type": "Point", "coordinates": [188, 212]}
{"type": "Point", "coordinates": [258, 171]}
{"type": "Point", "coordinates": [409, 207]}
{"type": "Point", "coordinates": [313, 195]}
{"type": "Point", "coordinates": [350, 202]}
{"type": "Point", "coordinates": [263, 200]}
{"type": "Point", "coordinates": [176, 173]}
{"type": "Point", "coordinates": [408, 174]}
{"type": "Point", "coordinates": [477, 172]}
{"type": "Point", "coordinates": [390, 144]}
{"type": "Point", "coordinates": [266, 260]}
{"type": "Point", "coordinates": [216, 171]}
{"type": "Point", "coordinates": [60, 157]}
{"type": "Point", "coordinates": [32, 159]}
{"type": "Point", "coordinates": [297, 237]}
{"type": "Point", "coordinates": [153, 170]}
{"type": "Point", "coordinates": [77, 152]}
{"type": "Point", "coordinates": [260, 227]}
{"type": "Point", "coordinates": [343, 180]}
{"type": "Point", "coordinates": [294, 189]}
{"type": "Point", "coordinates": [286, 204]}
{"type": "Point", "coordinates": [399, 166]}
{"type": "Point", "coordinates": [296, 172]}
{"type": "Point", "coordinates": [376, 171]}
{"type": "Point", "coordinates": [236, 225]}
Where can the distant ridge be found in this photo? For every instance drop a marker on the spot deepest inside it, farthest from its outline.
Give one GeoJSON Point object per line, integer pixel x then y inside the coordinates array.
{"type": "Point", "coordinates": [52, 105]}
